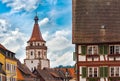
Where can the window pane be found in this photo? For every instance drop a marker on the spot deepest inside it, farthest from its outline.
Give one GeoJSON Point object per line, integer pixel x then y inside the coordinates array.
{"type": "Point", "coordinates": [117, 71]}
{"type": "Point", "coordinates": [89, 50]}
{"type": "Point", "coordinates": [111, 49]}
{"type": "Point", "coordinates": [112, 71]}
{"type": "Point", "coordinates": [95, 72]}
{"type": "Point", "coordinates": [117, 50]}
{"type": "Point", "coordinates": [95, 49]}
{"type": "Point", "coordinates": [90, 72]}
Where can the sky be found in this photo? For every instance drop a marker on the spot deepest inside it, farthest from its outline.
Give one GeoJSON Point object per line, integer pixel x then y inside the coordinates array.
{"type": "Point", "coordinates": [55, 21]}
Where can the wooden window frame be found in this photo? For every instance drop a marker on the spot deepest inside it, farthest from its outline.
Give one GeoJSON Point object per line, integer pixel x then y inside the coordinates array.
{"type": "Point", "coordinates": [92, 50]}
{"type": "Point", "coordinates": [93, 71]}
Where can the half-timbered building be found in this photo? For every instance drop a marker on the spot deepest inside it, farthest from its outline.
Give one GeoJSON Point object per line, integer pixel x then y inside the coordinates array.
{"type": "Point", "coordinates": [96, 35]}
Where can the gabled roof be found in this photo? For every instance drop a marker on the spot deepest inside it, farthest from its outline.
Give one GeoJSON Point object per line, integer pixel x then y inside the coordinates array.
{"type": "Point", "coordinates": [24, 69]}
{"type": "Point", "coordinates": [51, 74]}
{"type": "Point", "coordinates": [91, 16]}
{"type": "Point", "coordinates": [36, 33]}
{"type": "Point", "coordinates": [70, 70]}
{"type": "Point", "coordinates": [1, 46]}
{"type": "Point", "coordinates": [19, 75]}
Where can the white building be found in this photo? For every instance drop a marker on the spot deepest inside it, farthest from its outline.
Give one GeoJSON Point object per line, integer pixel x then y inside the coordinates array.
{"type": "Point", "coordinates": [36, 50]}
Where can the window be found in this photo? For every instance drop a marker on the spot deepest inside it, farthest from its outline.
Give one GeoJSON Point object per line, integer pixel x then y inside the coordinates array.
{"type": "Point", "coordinates": [7, 67]}
{"type": "Point", "coordinates": [14, 68]}
{"type": "Point", "coordinates": [93, 49]}
{"type": "Point", "coordinates": [114, 71]}
{"type": "Point", "coordinates": [31, 61]}
{"type": "Point", "coordinates": [39, 53]}
{"type": "Point", "coordinates": [31, 53]}
{"type": "Point", "coordinates": [114, 49]}
{"type": "Point", "coordinates": [79, 49]}
{"type": "Point", "coordinates": [31, 69]}
{"type": "Point", "coordinates": [92, 72]}
{"type": "Point", "coordinates": [31, 44]}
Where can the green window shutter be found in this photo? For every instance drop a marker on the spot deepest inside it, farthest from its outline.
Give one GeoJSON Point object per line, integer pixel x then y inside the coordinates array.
{"type": "Point", "coordinates": [84, 49]}
{"type": "Point", "coordinates": [84, 72]}
{"type": "Point", "coordinates": [101, 71]}
{"type": "Point", "coordinates": [74, 56]}
{"type": "Point", "coordinates": [106, 71]}
{"type": "Point", "coordinates": [100, 49]}
{"type": "Point", "coordinates": [106, 49]}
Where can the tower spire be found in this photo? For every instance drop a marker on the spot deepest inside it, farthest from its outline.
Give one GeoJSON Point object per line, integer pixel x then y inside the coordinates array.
{"type": "Point", "coordinates": [36, 19]}
{"type": "Point", "coordinates": [36, 33]}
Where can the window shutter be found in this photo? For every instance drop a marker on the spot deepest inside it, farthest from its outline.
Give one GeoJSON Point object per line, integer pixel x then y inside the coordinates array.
{"type": "Point", "coordinates": [84, 49]}
{"type": "Point", "coordinates": [74, 56]}
{"type": "Point", "coordinates": [100, 49]}
{"type": "Point", "coordinates": [84, 72]}
{"type": "Point", "coordinates": [101, 71]}
{"type": "Point", "coordinates": [106, 71]}
{"type": "Point", "coordinates": [106, 49]}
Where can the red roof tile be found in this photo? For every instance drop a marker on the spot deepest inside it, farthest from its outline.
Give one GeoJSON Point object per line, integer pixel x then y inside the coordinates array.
{"type": "Point", "coordinates": [1, 46]}
{"type": "Point", "coordinates": [90, 16]}
{"type": "Point", "coordinates": [36, 34]}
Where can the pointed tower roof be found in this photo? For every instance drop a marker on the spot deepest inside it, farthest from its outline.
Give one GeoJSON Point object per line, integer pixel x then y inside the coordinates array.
{"type": "Point", "coordinates": [36, 34]}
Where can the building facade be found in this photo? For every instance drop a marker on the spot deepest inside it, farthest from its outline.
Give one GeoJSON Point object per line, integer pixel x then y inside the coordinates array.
{"type": "Point", "coordinates": [96, 35]}
{"type": "Point", "coordinates": [36, 50]}
{"type": "Point", "coordinates": [9, 64]}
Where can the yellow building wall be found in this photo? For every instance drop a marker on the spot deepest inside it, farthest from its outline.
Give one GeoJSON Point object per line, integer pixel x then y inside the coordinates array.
{"type": "Point", "coordinates": [5, 61]}
{"type": "Point", "coordinates": [2, 60]}
{"type": "Point", "coordinates": [11, 73]}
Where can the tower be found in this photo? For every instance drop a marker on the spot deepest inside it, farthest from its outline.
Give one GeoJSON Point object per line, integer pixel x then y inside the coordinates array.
{"type": "Point", "coordinates": [36, 49]}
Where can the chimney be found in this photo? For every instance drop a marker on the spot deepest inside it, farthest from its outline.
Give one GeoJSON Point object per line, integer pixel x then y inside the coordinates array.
{"type": "Point", "coordinates": [102, 32]}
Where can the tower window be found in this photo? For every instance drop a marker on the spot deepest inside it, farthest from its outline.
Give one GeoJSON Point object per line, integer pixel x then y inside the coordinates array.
{"type": "Point", "coordinates": [38, 53]}
{"type": "Point", "coordinates": [31, 44]}
{"type": "Point", "coordinates": [38, 44]}
{"type": "Point", "coordinates": [31, 53]}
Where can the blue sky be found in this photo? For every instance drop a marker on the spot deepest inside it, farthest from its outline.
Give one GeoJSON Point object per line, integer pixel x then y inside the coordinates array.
{"type": "Point", "coordinates": [55, 20]}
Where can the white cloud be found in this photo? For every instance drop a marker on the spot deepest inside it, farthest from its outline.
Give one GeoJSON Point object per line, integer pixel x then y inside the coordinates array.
{"type": "Point", "coordinates": [13, 40]}
{"type": "Point", "coordinates": [18, 5]}
{"type": "Point", "coordinates": [3, 25]}
{"type": "Point", "coordinates": [59, 48]}
{"type": "Point", "coordinates": [58, 43]}
{"type": "Point", "coordinates": [59, 40]}
{"type": "Point", "coordinates": [65, 59]}
{"type": "Point", "coordinates": [44, 21]}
